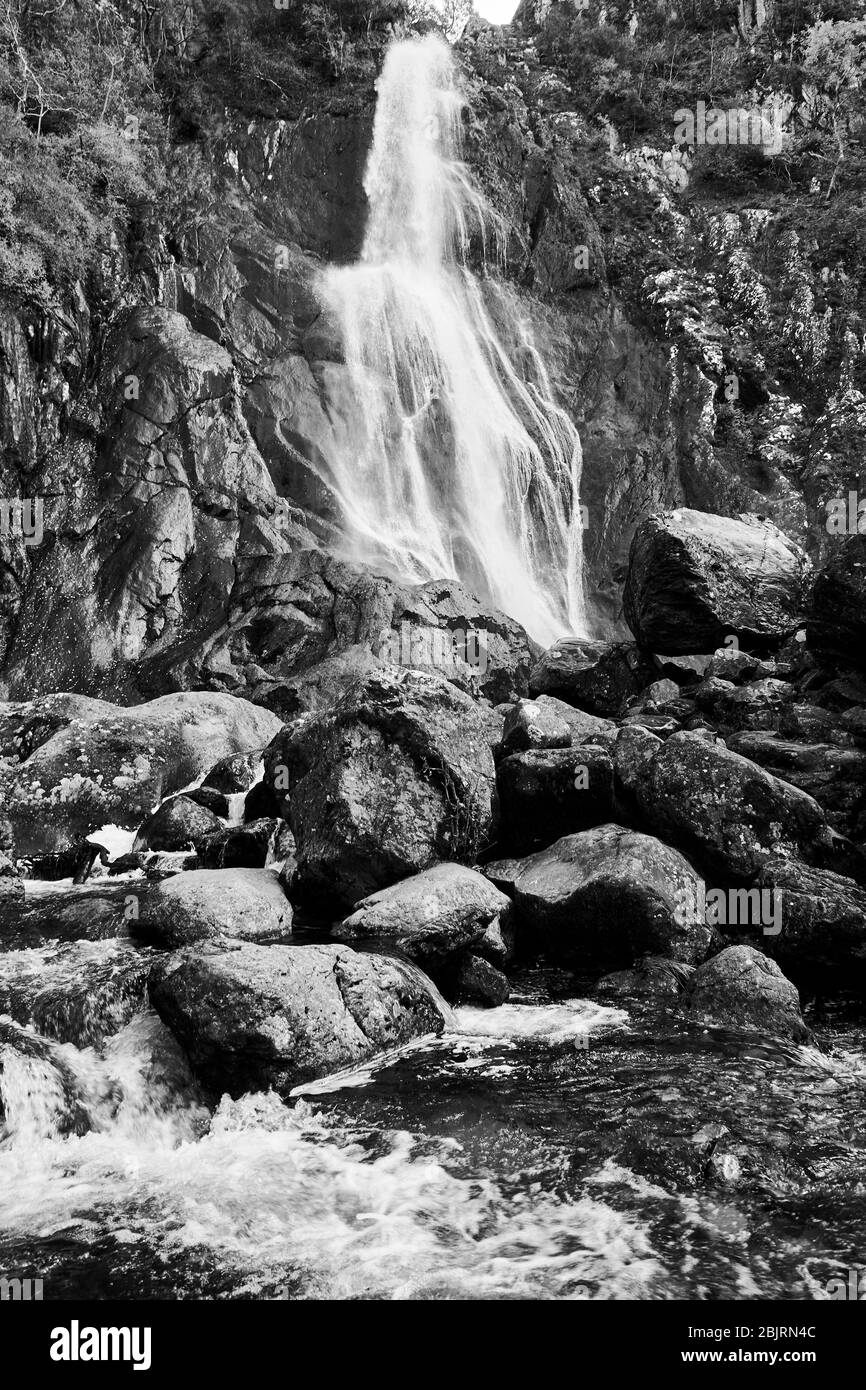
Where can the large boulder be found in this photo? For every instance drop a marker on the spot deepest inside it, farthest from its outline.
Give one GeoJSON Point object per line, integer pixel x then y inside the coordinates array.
{"type": "Point", "coordinates": [695, 579]}
{"type": "Point", "coordinates": [399, 776]}
{"type": "Point", "coordinates": [432, 917]}
{"type": "Point", "coordinates": [729, 811]}
{"type": "Point", "coordinates": [248, 904]}
{"type": "Point", "coordinates": [835, 776]}
{"type": "Point", "coordinates": [600, 677]}
{"type": "Point", "coordinates": [179, 823]}
{"type": "Point", "coordinates": [69, 764]}
{"type": "Point", "coordinates": [549, 792]}
{"type": "Point", "coordinates": [742, 987]}
{"type": "Point", "coordinates": [604, 897]}
{"type": "Point", "coordinates": [823, 935]}
{"type": "Point", "coordinates": [275, 1016]}
{"type": "Point", "coordinates": [836, 628]}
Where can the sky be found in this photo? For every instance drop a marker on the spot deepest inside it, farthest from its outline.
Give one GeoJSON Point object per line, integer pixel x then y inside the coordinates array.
{"type": "Point", "coordinates": [497, 11]}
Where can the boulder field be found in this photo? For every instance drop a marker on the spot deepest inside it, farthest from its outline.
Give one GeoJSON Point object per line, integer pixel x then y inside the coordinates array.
{"type": "Point", "coordinates": [677, 821]}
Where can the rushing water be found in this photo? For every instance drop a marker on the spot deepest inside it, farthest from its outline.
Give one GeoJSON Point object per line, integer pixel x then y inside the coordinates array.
{"type": "Point", "coordinates": [457, 460]}
{"type": "Point", "coordinates": [548, 1150]}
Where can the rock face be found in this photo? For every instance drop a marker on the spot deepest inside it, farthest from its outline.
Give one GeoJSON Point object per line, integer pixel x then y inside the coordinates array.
{"type": "Point", "coordinates": [71, 764]}
{"type": "Point", "coordinates": [740, 986]}
{"type": "Point", "coordinates": [606, 896]}
{"type": "Point", "coordinates": [694, 579]}
{"type": "Point", "coordinates": [836, 629]}
{"type": "Point", "coordinates": [274, 1016]}
{"type": "Point", "coordinates": [731, 812]}
{"type": "Point", "coordinates": [432, 917]}
{"type": "Point", "coordinates": [248, 904]}
{"type": "Point", "coordinates": [398, 776]}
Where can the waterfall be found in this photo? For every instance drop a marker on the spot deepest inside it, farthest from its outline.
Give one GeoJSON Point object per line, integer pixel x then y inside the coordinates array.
{"type": "Point", "coordinates": [455, 460]}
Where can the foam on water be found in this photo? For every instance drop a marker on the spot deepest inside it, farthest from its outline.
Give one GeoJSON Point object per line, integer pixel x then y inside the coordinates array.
{"type": "Point", "coordinates": [285, 1195]}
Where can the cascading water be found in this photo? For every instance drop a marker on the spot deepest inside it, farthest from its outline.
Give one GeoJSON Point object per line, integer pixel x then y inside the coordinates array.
{"type": "Point", "coordinates": [455, 459]}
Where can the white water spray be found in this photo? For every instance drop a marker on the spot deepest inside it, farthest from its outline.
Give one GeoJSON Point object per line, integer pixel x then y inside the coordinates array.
{"type": "Point", "coordinates": [455, 459]}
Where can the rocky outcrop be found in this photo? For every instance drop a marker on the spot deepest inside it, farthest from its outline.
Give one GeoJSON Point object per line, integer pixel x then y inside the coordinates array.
{"type": "Point", "coordinates": [398, 776]}
{"type": "Point", "coordinates": [694, 580]}
{"type": "Point", "coordinates": [69, 764]}
{"type": "Point", "coordinates": [274, 1016]}
{"type": "Point", "coordinates": [741, 987]}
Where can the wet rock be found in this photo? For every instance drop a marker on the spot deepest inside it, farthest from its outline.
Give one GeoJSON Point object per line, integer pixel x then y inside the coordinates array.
{"type": "Point", "coordinates": [550, 723]}
{"type": "Point", "coordinates": [546, 793]}
{"type": "Point", "coordinates": [605, 896]}
{"type": "Point", "coordinates": [261, 803]}
{"type": "Point", "coordinates": [757, 705]}
{"type": "Point", "coordinates": [833, 775]}
{"type": "Point", "coordinates": [432, 917]}
{"type": "Point", "coordinates": [836, 629]}
{"type": "Point", "coordinates": [634, 751]}
{"type": "Point", "coordinates": [246, 904]}
{"type": "Point", "coordinates": [479, 982]}
{"type": "Point", "coordinates": [503, 873]}
{"type": "Point", "coordinates": [742, 987]}
{"type": "Point", "coordinates": [823, 936]}
{"type": "Point", "coordinates": [252, 845]}
{"type": "Point", "coordinates": [234, 774]}
{"type": "Point", "coordinates": [93, 912]}
{"type": "Point", "coordinates": [275, 1016]}
{"type": "Point", "coordinates": [176, 825]}
{"type": "Point", "coordinates": [731, 812]}
{"type": "Point", "coordinates": [215, 801]}
{"type": "Point", "coordinates": [24, 1058]}
{"type": "Point", "coordinates": [599, 677]}
{"type": "Point", "coordinates": [72, 764]}
{"type": "Point", "coordinates": [531, 724]}
{"type": "Point", "coordinates": [496, 651]}
{"type": "Point", "coordinates": [695, 579]}
{"type": "Point", "coordinates": [654, 977]}
{"type": "Point", "coordinates": [399, 776]}
{"type": "Point", "coordinates": [739, 667]}
{"type": "Point", "coordinates": [77, 992]}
